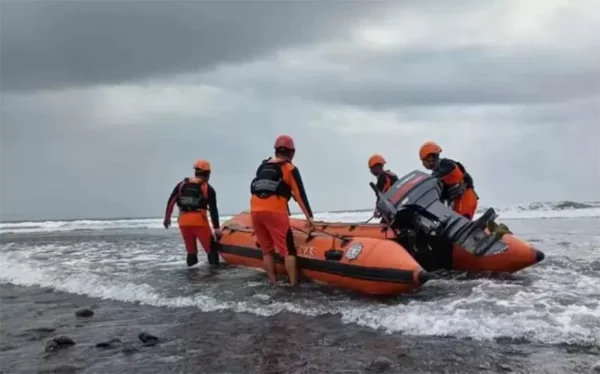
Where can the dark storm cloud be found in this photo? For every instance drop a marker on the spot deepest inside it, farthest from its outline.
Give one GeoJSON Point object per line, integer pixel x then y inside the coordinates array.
{"type": "Point", "coordinates": [467, 76]}
{"type": "Point", "coordinates": [52, 44]}
{"type": "Point", "coordinates": [501, 53]}
{"type": "Point", "coordinates": [519, 108]}
{"type": "Point", "coordinates": [430, 77]}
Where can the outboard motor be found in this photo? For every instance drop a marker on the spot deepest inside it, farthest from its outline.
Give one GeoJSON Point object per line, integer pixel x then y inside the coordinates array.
{"type": "Point", "coordinates": [414, 200]}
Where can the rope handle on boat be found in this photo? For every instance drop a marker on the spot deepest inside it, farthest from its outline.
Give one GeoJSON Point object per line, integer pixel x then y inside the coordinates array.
{"type": "Point", "coordinates": [236, 227]}
{"type": "Point", "coordinates": [344, 239]}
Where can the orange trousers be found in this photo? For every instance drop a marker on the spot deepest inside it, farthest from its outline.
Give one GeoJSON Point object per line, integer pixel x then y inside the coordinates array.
{"type": "Point", "coordinates": [192, 235]}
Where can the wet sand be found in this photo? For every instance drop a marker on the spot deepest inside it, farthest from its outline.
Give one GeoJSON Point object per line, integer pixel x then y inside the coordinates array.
{"type": "Point", "coordinates": [191, 341]}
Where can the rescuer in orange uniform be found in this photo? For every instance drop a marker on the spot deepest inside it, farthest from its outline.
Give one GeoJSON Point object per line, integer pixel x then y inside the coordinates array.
{"type": "Point", "coordinates": [277, 180]}
{"type": "Point", "coordinates": [458, 184]}
{"type": "Point", "coordinates": [193, 197]}
{"type": "Point", "coordinates": [385, 178]}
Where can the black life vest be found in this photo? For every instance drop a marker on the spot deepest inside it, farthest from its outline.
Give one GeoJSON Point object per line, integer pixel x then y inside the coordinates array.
{"type": "Point", "coordinates": [193, 196]}
{"type": "Point", "coordinates": [449, 193]}
{"type": "Point", "coordinates": [269, 181]}
{"type": "Point", "coordinates": [466, 176]}
{"type": "Point", "coordinates": [390, 179]}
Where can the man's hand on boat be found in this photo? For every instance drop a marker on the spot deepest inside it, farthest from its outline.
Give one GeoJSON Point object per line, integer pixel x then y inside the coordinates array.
{"type": "Point", "coordinates": [310, 224]}
{"type": "Point", "coordinates": [218, 234]}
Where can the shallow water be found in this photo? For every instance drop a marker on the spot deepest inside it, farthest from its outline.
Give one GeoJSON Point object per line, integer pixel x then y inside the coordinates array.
{"type": "Point", "coordinates": [139, 281]}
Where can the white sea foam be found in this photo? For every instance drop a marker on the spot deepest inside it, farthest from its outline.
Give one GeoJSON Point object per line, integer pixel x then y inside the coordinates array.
{"type": "Point", "coordinates": [560, 302]}
{"type": "Point", "coordinates": [564, 209]}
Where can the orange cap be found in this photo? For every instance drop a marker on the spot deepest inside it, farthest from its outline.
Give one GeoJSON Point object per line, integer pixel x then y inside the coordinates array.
{"type": "Point", "coordinates": [202, 165]}
{"type": "Point", "coordinates": [284, 141]}
{"type": "Point", "coordinates": [376, 159]}
{"type": "Point", "coordinates": [428, 148]}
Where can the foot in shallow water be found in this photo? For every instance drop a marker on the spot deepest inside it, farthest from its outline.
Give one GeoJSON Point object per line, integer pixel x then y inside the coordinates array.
{"type": "Point", "coordinates": [212, 258]}
{"type": "Point", "coordinates": [281, 281]}
{"type": "Point", "coordinates": [192, 259]}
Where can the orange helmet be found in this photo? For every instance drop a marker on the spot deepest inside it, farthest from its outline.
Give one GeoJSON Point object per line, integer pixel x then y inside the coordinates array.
{"type": "Point", "coordinates": [285, 141]}
{"type": "Point", "coordinates": [376, 159]}
{"type": "Point", "coordinates": [428, 148]}
{"type": "Point", "coordinates": [202, 165]}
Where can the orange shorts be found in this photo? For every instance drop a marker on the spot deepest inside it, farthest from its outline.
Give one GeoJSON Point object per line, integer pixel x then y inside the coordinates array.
{"type": "Point", "coordinates": [192, 234]}
{"type": "Point", "coordinates": [273, 232]}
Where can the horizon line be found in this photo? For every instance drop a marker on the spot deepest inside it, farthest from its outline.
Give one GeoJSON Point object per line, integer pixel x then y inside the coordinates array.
{"type": "Point", "coordinates": [113, 218]}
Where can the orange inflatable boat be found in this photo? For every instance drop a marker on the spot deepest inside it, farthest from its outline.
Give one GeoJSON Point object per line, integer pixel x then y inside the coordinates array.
{"type": "Point", "coordinates": [424, 235]}
{"type": "Point", "coordinates": [369, 265]}
{"type": "Point", "coordinates": [430, 253]}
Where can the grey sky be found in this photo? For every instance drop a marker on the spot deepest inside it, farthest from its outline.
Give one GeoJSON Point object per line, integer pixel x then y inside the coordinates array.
{"type": "Point", "coordinates": [105, 105]}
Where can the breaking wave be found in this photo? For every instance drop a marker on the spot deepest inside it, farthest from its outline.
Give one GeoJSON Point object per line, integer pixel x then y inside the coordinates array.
{"type": "Point", "coordinates": [491, 310]}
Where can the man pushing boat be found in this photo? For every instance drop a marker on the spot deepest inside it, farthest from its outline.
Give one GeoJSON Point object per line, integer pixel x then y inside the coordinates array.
{"type": "Point", "coordinates": [385, 178]}
{"type": "Point", "coordinates": [193, 197]}
{"type": "Point", "coordinates": [459, 190]}
{"type": "Point", "coordinates": [276, 181]}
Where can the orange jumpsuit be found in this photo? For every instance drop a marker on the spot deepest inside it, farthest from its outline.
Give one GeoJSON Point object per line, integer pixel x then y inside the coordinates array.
{"type": "Point", "coordinates": [193, 197]}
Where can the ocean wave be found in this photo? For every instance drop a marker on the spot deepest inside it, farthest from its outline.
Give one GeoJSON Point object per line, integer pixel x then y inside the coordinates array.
{"type": "Point", "coordinates": [534, 210]}
{"type": "Point", "coordinates": [533, 313]}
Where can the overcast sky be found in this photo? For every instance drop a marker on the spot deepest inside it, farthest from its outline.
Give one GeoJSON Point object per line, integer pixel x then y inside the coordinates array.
{"type": "Point", "coordinates": [106, 105]}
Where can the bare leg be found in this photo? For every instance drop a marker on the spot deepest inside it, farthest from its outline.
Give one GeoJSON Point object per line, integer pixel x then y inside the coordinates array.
{"type": "Point", "coordinates": [269, 265]}
{"type": "Point", "coordinates": [292, 270]}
